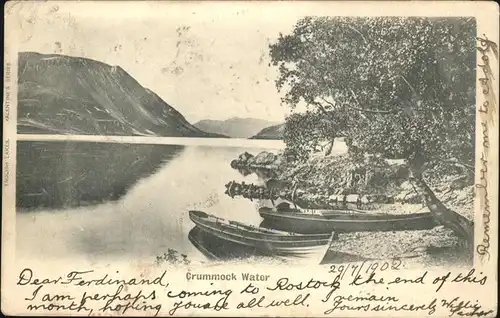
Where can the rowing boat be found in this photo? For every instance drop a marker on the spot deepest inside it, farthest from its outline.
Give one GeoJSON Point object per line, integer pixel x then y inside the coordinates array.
{"type": "Point", "coordinates": [343, 221]}
{"type": "Point", "coordinates": [215, 248]}
{"type": "Point", "coordinates": [296, 248]}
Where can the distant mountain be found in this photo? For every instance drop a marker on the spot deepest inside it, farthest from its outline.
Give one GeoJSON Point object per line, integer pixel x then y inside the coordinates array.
{"type": "Point", "coordinates": [60, 94]}
{"type": "Point", "coordinates": [273, 132]}
{"type": "Point", "coordinates": [234, 127]}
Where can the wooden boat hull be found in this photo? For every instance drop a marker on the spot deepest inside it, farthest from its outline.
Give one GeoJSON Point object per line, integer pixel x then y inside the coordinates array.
{"type": "Point", "coordinates": [215, 248]}
{"type": "Point", "coordinates": [292, 247]}
{"type": "Point", "coordinates": [344, 222]}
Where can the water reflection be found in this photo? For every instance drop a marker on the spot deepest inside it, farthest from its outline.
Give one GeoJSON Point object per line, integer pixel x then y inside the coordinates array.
{"type": "Point", "coordinates": [152, 215]}
{"type": "Point", "coordinates": [263, 173]}
{"type": "Point", "coordinates": [59, 174]}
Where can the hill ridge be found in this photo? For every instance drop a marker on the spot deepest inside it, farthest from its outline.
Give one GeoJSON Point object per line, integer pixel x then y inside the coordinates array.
{"type": "Point", "coordinates": [235, 127]}
{"type": "Point", "coordinates": [66, 94]}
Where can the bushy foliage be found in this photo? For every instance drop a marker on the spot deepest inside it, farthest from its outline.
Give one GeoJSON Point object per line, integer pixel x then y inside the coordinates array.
{"type": "Point", "coordinates": [403, 87]}
{"type": "Point", "coordinates": [309, 132]}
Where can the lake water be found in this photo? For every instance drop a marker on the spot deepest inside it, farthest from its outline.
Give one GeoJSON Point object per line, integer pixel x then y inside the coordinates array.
{"type": "Point", "coordinates": [148, 219]}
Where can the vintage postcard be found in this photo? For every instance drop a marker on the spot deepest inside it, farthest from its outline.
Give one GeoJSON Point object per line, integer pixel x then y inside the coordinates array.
{"type": "Point", "coordinates": [250, 158]}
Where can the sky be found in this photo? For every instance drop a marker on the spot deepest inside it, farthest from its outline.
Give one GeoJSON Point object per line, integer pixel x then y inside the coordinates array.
{"type": "Point", "coordinates": [208, 64]}
{"type": "Point", "coordinates": [209, 60]}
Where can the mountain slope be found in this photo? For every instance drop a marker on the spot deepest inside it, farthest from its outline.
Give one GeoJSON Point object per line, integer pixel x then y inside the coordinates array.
{"type": "Point", "coordinates": [272, 132]}
{"type": "Point", "coordinates": [234, 127]}
{"type": "Point", "coordinates": [60, 94]}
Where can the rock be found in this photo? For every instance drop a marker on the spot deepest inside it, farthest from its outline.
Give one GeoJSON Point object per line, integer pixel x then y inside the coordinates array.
{"type": "Point", "coordinates": [242, 158]}
{"type": "Point", "coordinates": [408, 197]}
{"type": "Point", "coordinates": [300, 192]}
{"type": "Point", "coordinates": [400, 196]}
{"type": "Point", "coordinates": [471, 190]}
{"type": "Point", "coordinates": [406, 186]}
{"type": "Point", "coordinates": [463, 196]}
{"type": "Point", "coordinates": [234, 163]}
{"type": "Point", "coordinates": [365, 200]}
{"type": "Point", "coordinates": [458, 184]}
{"type": "Point", "coordinates": [278, 161]}
{"type": "Point", "coordinates": [264, 158]}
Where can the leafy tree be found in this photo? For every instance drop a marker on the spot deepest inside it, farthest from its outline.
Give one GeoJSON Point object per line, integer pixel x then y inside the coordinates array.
{"type": "Point", "coordinates": [310, 132]}
{"type": "Point", "coordinates": [405, 86]}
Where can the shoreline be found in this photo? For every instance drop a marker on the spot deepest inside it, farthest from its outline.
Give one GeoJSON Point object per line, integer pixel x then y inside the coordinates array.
{"type": "Point", "coordinates": [438, 245]}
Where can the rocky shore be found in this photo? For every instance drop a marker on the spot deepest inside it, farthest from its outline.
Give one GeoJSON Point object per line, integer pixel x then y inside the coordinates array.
{"type": "Point", "coordinates": [324, 177]}
{"type": "Point", "coordinates": [263, 160]}
{"type": "Point", "coordinates": [332, 175]}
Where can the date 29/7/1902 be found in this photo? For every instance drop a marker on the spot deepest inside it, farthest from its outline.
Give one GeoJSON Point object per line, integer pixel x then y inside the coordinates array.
{"type": "Point", "coordinates": [365, 267]}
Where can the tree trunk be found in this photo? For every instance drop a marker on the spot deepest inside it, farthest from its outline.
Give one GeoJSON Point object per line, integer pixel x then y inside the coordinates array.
{"type": "Point", "coordinates": [460, 225]}
{"type": "Point", "coordinates": [329, 148]}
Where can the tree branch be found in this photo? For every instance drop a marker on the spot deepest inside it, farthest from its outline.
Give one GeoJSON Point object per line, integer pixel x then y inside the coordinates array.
{"type": "Point", "coordinates": [358, 32]}
{"type": "Point", "coordinates": [355, 97]}
{"type": "Point", "coordinates": [367, 110]}
{"type": "Point", "coordinates": [321, 107]}
{"type": "Point", "coordinates": [329, 103]}
{"type": "Point", "coordinates": [375, 111]}
{"type": "Point", "coordinates": [409, 85]}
